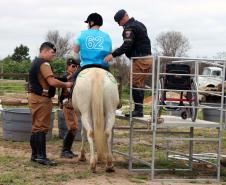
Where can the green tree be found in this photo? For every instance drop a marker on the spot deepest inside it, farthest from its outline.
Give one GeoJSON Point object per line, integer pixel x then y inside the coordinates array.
{"type": "Point", "coordinates": [11, 66]}
{"type": "Point", "coordinates": [21, 53]}
{"type": "Point", "coordinates": [59, 66]}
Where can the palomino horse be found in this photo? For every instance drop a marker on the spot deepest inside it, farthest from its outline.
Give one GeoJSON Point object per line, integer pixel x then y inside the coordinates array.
{"type": "Point", "coordinates": [95, 97]}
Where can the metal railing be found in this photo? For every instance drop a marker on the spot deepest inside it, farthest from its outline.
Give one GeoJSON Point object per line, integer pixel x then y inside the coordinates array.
{"type": "Point", "coordinates": [172, 122]}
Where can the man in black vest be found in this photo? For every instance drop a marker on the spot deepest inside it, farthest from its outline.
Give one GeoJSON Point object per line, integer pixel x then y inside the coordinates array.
{"type": "Point", "coordinates": [136, 44]}
{"type": "Point", "coordinates": [42, 85]}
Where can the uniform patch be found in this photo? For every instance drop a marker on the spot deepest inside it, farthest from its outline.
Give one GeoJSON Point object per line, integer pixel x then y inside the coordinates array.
{"type": "Point", "coordinates": [127, 34]}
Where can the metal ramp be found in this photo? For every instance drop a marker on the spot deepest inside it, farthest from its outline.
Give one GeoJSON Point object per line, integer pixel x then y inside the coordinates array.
{"type": "Point", "coordinates": [173, 126]}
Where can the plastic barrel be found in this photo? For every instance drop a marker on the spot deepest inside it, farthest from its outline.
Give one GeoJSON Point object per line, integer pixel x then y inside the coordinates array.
{"type": "Point", "coordinates": [63, 128]}
{"type": "Point", "coordinates": [17, 123]}
{"type": "Point", "coordinates": [212, 114]}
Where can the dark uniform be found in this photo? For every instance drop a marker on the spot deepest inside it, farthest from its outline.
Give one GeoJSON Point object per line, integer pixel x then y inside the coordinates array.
{"type": "Point", "coordinates": [136, 44]}
{"type": "Point", "coordinates": [39, 101]}
{"type": "Point", "coordinates": [70, 116]}
{"type": "Point", "coordinates": [40, 104]}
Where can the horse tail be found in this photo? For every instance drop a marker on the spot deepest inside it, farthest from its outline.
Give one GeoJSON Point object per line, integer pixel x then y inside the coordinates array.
{"type": "Point", "coordinates": [98, 115]}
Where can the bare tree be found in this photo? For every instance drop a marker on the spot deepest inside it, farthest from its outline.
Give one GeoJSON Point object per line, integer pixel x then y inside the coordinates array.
{"type": "Point", "coordinates": [172, 43]}
{"type": "Point", "coordinates": [221, 55]}
{"type": "Point", "coordinates": [120, 69]}
{"type": "Point", "coordinates": [62, 44]}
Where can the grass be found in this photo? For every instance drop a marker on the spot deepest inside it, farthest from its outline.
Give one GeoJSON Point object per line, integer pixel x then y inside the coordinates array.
{"type": "Point", "coordinates": [13, 178]}
{"type": "Point", "coordinates": [18, 170]}
{"type": "Point", "coordinates": [138, 179]}
{"type": "Point", "coordinates": [14, 170]}
{"type": "Point", "coordinates": [62, 177]}
{"type": "Point", "coordinates": [6, 160]}
{"type": "Point", "coordinates": [144, 151]}
{"type": "Point", "coordinates": [83, 175]}
{"type": "Point", "coordinates": [21, 172]}
{"type": "Point", "coordinates": [12, 87]}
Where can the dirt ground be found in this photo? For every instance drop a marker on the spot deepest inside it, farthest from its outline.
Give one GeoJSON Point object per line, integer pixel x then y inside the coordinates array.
{"type": "Point", "coordinates": [16, 168]}
{"type": "Point", "coordinates": [14, 157]}
{"type": "Point", "coordinates": [120, 177]}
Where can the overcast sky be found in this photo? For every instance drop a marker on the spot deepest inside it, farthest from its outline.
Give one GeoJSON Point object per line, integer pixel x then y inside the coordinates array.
{"type": "Point", "coordinates": [27, 22]}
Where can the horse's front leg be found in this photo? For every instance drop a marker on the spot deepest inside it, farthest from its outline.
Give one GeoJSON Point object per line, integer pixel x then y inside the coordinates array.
{"type": "Point", "coordinates": [82, 154]}
{"type": "Point", "coordinates": [86, 121]}
{"type": "Point", "coordinates": [110, 120]}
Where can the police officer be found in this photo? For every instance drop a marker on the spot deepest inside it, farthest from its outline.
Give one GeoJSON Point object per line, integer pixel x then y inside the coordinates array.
{"type": "Point", "coordinates": [42, 85]}
{"type": "Point", "coordinates": [68, 111]}
{"type": "Point", "coordinates": [93, 44]}
{"type": "Point", "coordinates": [136, 44]}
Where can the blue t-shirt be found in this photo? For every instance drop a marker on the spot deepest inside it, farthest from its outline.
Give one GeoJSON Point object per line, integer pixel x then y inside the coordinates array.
{"type": "Point", "coordinates": [94, 46]}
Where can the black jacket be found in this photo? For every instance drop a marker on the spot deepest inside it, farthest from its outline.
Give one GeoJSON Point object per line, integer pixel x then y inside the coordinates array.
{"type": "Point", "coordinates": [136, 41]}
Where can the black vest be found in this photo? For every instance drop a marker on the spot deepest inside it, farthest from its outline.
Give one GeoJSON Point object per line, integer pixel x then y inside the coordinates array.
{"type": "Point", "coordinates": [34, 85]}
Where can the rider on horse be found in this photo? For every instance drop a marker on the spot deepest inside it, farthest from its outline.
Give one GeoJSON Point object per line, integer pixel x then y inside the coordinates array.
{"type": "Point", "coordinates": [92, 44]}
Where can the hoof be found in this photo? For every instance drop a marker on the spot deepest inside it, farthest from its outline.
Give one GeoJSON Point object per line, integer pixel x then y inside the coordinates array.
{"type": "Point", "coordinates": [110, 169]}
{"type": "Point", "coordinates": [82, 159]}
{"type": "Point", "coordinates": [93, 169]}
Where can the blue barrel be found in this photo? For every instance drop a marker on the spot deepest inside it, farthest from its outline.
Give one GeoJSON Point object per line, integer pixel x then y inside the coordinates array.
{"type": "Point", "coordinates": [17, 123]}
{"type": "Point", "coordinates": [63, 128]}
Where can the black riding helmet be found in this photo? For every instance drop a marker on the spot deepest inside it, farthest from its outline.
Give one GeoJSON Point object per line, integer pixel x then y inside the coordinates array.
{"type": "Point", "coordinates": [95, 18]}
{"type": "Point", "coordinates": [73, 61]}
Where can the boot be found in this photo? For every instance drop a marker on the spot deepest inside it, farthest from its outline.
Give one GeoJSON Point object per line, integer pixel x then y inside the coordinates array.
{"type": "Point", "coordinates": [40, 138]}
{"type": "Point", "coordinates": [135, 113]}
{"type": "Point", "coordinates": [33, 148]}
{"type": "Point", "coordinates": [67, 144]}
{"type": "Point", "coordinates": [138, 97]}
{"type": "Point", "coordinates": [139, 108]}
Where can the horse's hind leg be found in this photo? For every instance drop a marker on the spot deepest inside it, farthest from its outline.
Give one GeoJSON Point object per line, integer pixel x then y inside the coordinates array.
{"type": "Point", "coordinates": [110, 120]}
{"type": "Point", "coordinates": [82, 155]}
{"type": "Point", "coordinates": [86, 121]}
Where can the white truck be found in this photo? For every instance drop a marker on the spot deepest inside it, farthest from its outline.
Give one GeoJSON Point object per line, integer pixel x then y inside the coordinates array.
{"type": "Point", "coordinates": [211, 77]}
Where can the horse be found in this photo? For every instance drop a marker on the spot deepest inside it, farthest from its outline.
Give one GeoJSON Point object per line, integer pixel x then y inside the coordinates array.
{"type": "Point", "coordinates": [95, 98]}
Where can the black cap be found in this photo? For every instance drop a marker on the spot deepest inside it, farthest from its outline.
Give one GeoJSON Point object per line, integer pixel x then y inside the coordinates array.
{"type": "Point", "coordinates": [47, 45]}
{"type": "Point", "coordinates": [96, 18]}
{"type": "Point", "coordinates": [73, 61]}
{"type": "Point", "coordinates": [119, 15]}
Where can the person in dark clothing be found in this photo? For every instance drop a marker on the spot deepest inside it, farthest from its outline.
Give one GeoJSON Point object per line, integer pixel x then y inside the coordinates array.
{"type": "Point", "coordinates": [70, 116]}
{"type": "Point", "coordinates": [136, 44]}
{"type": "Point", "coordinates": [42, 85]}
